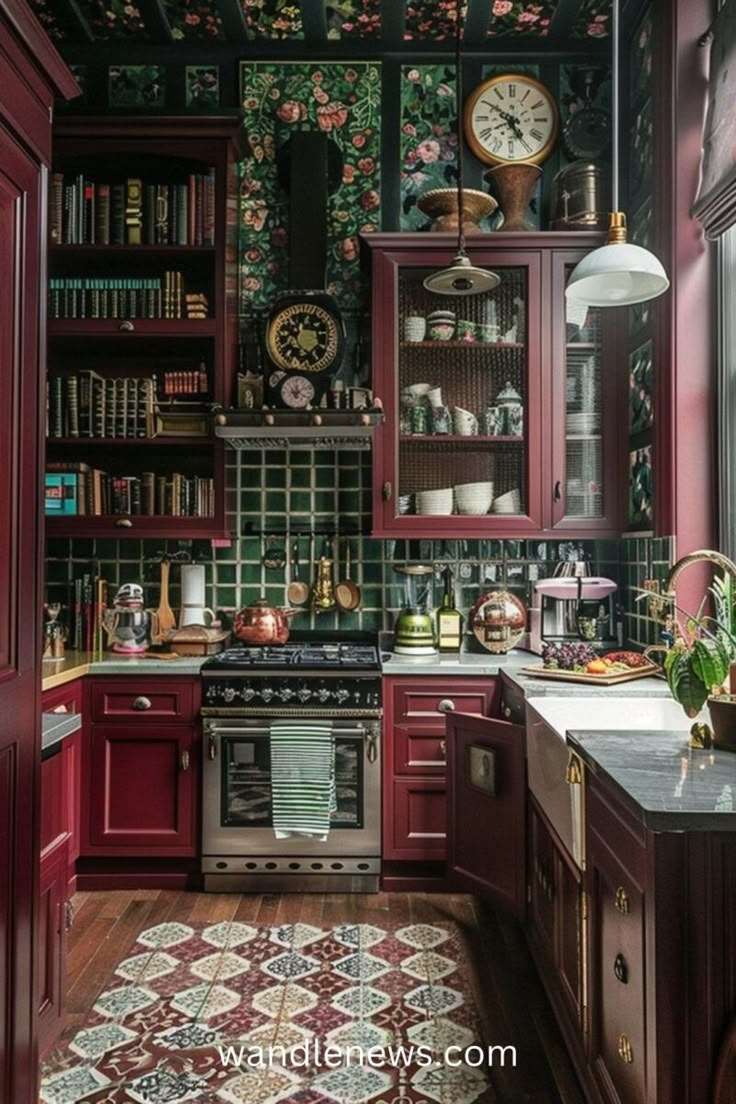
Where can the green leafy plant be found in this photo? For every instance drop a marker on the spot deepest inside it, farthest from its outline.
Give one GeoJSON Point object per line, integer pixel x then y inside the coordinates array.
{"type": "Point", "coordinates": [698, 663]}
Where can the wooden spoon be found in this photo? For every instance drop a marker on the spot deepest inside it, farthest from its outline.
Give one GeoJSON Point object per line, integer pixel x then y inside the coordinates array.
{"type": "Point", "coordinates": [347, 593]}
{"type": "Point", "coordinates": [166, 619]}
{"type": "Point", "coordinates": [297, 591]}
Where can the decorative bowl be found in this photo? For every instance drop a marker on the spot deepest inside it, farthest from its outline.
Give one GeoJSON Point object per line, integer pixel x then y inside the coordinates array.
{"type": "Point", "coordinates": [440, 204]}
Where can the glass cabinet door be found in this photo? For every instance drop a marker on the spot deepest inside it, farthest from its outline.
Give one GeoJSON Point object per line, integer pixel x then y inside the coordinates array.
{"type": "Point", "coordinates": [463, 420]}
{"type": "Point", "coordinates": [585, 397]}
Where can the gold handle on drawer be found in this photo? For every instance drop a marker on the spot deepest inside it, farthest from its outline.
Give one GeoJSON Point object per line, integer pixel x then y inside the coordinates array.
{"type": "Point", "coordinates": [573, 774]}
{"type": "Point", "coordinates": [185, 760]}
{"type": "Point", "coordinates": [625, 1052]}
{"type": "Point", "coordinates": [447, 705]}
{"type": "Point", "coordinates": [388, 492]}
{"type": "Point", "coordinates": [443, 748]}
{"type": "Point", "coordinates": [142, 703]}
{"type": "Point", "coordinates": [622, 901]}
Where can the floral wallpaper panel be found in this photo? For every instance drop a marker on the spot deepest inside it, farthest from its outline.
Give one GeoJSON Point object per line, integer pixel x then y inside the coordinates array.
{"type": "Point", "coordinates": [194, 20]}
{"type": "Point", "coordinates": [353, 19]}
{"type": "Point", "coordinates": [640, 66]}
{"type": "Point", "coordinates": [137, 86]}
{"type": "Point", "coordinates": [114, 18]}
{"type": "Point", "coordinates": [345, 103]}
{"type": "Point", "coordinates": [641, 388]}
{"type": "Point", "coordinates": [521, 17]}
{"type": "Point", "coordinates": [202, 86]}
{"type": "Point", "coordinates": [274, 19]}
{"type": "Point", "coordinates": [594, 20]}
{"type": "Point", "coordinates": [641, 488]}
{"type": "Point", "coordinates": [49, 19]}
{"type": "Point", "coordinates": [433, 19]}
{"type": "Point", "coordinates": [428, 139]}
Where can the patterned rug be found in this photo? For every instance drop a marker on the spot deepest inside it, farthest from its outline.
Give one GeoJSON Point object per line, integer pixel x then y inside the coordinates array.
{"type": "Point", "coordinates": [185, 991]}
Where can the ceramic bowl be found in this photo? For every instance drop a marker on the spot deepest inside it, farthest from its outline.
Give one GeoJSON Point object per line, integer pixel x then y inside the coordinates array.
{"type": "Point", "coordinates": [435, 503]}
{"type": "Point", "coordinates": [442, 331]}
{"type": "Point", "coordinates": [415, 328]}
{"type": "Point", "coordinates": [473, 498]}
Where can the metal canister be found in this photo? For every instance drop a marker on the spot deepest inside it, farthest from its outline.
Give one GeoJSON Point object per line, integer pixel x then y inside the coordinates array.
{"type": "Point", "coordinates": [579, 199]}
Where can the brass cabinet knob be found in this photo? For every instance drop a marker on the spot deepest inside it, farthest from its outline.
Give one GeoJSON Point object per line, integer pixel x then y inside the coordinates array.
{"type": "Point", "coordinates": [443, 748]}
{"type": "Point", "coordinates": [388, 492]}
{"type": "Point", "coordinates": [185, 760]}
{"type": "Point", "coordinates": [622, 901]}
{"type": "Point", "coordinates": [123, 523]}
{"type": "Point", "coordinates": [506, 711]}
{"type": "Point", "coordinates": [573, 774]}
{"type": "Point", "coordinates": [447, 705]}
{"type": "Point", "coordinates": [625, 1051]}
{"type": "Point", "coordinates": [142, 703]}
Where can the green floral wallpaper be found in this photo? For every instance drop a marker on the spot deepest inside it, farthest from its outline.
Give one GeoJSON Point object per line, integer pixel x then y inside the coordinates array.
{"type": "Point", "coordinates": [431, 19]}
{"type": "Point", "coordinates": [114, 18]}
{"type": "Point", "coordinates": [46, 14]}
{"type": "Point", "coordinates": [276, 19]}
{"type": "Point", "coordinates": [345, 103]}
{"type": "Point", "coordinates": [521, 17]}
{"type": "Point", "coordinates": [428, 137]}
{"type": "Point", "coordinates": [194, 20]}
{"type": "Point", "coordinates": [353, 19]}
{"type": "Point", "coordinates": [594, 19]}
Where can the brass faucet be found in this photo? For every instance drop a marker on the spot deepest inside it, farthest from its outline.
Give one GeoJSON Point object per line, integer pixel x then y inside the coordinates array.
{"type": "Point", "coordinates": [702, 554]}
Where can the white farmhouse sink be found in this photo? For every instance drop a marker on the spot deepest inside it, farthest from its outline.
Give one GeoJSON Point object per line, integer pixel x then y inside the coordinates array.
{"type": "Point", "coordinates": [547, 722]}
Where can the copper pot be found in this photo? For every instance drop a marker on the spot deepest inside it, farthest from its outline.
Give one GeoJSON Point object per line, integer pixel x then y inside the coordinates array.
{"type": "Point", "coordinates": [260, 623]}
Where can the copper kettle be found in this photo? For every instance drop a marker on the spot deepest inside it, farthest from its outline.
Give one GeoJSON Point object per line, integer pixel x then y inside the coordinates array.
{"type": "Point", "coordinates": [261, 623]}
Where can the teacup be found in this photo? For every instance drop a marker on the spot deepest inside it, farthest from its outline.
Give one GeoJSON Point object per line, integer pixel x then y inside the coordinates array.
{"type": "Point", "coordinates": [464, 422]}
{"type": "Point", "coordinates": [442, 331]}
{"type": "Point", "coordinates": [415, 327]}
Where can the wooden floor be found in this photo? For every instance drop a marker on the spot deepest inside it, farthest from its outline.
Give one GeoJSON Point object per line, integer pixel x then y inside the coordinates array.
{"type": "Point", "coordinates": [512, 1003]}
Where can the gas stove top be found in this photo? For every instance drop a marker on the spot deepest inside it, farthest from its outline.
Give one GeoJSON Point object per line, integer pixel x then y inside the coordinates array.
{"type": "Point", "coordinates": [298, 654]}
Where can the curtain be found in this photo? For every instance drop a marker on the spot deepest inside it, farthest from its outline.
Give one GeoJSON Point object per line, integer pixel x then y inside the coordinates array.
{"type": "Point", "coordinates": [715, 206]}
{"type": "Point", "coordinates": [727, 392]}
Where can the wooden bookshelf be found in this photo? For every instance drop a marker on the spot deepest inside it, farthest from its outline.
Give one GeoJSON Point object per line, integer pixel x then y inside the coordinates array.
{"type": "Point", "coordinates": [163, 151]}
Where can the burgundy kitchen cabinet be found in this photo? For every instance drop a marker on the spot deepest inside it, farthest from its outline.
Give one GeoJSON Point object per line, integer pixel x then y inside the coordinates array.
{"type": "Point", "coordinates": [69, 698]}
{"type": "Point", "coordinates": [486, 776]}
{"type": "Point", "coordinates": [415, 759]}
{"type": "Point", "coordinates": [561, 455]}
{"type": "Point", "coordinates": [53, 925]}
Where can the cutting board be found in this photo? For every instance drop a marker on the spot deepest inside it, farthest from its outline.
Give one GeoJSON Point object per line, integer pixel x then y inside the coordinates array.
{"type": "Point", "coordinates": [591, 680]}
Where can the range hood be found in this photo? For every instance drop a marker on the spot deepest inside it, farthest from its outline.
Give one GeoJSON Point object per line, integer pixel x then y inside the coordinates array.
{"type": "Point", "coordinates": [313, 429]}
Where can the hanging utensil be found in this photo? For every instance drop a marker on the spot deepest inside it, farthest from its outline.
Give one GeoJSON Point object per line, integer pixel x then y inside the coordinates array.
{"type": "Point", "coordinates": [323, 595]}
{"type": "Point", "coordinates": [347, 593]}
{"type": "Point", "coordinates": [274, 557]}
{"type": "Point", "coordinates": [297, 591]}
{"type": "Point", "coordinates": [165, 614]}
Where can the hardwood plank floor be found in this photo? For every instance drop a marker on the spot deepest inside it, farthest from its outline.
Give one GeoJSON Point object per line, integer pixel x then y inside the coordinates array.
{"type": "Point", "coordinates": [510, 999]}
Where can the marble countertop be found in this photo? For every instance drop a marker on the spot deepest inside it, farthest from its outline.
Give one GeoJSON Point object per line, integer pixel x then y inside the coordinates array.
{"type": "Point", "coordinates": [75, 665]}
{"type": "Point", "coordinates": [667, 784]}
{"type": "Point", "coordinates": [55, 727]}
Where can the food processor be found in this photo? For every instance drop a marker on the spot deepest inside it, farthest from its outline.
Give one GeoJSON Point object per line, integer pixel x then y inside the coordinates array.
{"type": "Point", "coordinates": [414, 631]}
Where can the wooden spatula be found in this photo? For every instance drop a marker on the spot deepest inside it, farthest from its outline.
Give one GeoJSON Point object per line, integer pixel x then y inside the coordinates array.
{"type": "Point", "coordinates": [166, 619]}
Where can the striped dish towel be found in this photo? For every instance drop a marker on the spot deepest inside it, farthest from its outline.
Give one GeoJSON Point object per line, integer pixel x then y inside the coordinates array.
{"type": "Point", "coordinates": [302, 778]}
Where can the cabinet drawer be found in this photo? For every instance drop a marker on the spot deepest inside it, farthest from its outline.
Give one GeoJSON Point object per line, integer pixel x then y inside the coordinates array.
{"type": "Point", "coordinates": [143, 700]}
{"type": "Point", "coordinates": [419, 749]}
{"type": "Point", "coordinates": [63, 699]}
{"type": "Point", "coordinates": [430, 699]}
{"type": "Point", "coordinates": [416, 828]}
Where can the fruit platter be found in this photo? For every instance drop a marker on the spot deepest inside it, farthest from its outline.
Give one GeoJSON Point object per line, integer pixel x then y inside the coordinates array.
{"type": "Point", "coordinates": [568, 661]}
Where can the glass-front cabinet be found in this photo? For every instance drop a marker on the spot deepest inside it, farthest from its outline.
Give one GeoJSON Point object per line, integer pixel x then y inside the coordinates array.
{"type": "Point", "coordinates": [498, 415]}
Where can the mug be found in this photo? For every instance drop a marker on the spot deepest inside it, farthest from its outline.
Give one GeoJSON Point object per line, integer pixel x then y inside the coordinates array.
{"type": "Point", "coordinates": [415, 327]}
{"type": "Point", "coordinates": [464, 422]}
{"type": "Point", "coordinates": [495, 421]}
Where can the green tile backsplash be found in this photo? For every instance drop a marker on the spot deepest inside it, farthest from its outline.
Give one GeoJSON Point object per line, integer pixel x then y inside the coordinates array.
{"type": "Point", "coordinates": [270, 493]}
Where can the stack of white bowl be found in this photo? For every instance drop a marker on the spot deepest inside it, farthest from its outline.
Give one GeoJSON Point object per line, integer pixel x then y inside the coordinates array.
{"type": "Point", "coordinates": [580, 425]}
{"type": "Point", "coordinates": [508, 503]}
{"type": "Point", "coordinates": [434, 503]}
{"type": "Point", "coordinates": [473, 498]}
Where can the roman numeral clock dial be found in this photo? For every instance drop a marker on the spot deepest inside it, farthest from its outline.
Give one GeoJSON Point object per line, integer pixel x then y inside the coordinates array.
{"type": "Point", "coordinates": [511, 118]}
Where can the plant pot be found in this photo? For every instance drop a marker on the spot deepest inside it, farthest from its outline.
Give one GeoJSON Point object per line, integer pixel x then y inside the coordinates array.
{"type": "Point", "coordinates": [441, 205]}
{"type": "Point", "coordinates": [723, 721]}
{"type": "Point", "coordinates": [514, 185]}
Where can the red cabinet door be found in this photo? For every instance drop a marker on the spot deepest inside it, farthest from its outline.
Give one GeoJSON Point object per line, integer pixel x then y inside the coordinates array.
{"type": "Point", "coordinates": [51, 946]}
{"type": "Point", "coordinates": [417, 828]}
{"type": "Point", "coordinates": [141, 786]}
{"type": "Point", "coordinates": [486, 779]}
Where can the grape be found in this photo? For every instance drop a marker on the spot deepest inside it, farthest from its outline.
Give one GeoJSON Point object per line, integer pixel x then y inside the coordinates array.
{"type": "Point", "coordinates": [568, 655]}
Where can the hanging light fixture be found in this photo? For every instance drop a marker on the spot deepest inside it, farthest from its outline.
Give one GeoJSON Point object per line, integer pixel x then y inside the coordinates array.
{"type": "Point", "coordinates": [462, 277]}
{"type": "Point", "coordinates": [618, 273]}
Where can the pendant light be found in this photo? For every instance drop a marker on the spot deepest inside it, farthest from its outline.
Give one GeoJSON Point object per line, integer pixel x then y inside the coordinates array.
{"type": "Point", "coordinates": [618, 273]}
{"type": "Point", "coordinates": [462, 277]}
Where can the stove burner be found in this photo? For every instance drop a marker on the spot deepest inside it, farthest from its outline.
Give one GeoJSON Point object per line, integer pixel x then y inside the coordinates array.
{"type": "Point", "coordinates": [299, 654]}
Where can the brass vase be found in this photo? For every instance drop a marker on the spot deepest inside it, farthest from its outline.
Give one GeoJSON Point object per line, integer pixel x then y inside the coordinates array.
{"type": "Point", "coordinates": [441, 205]}
{"type": "Point", "coordinates": [514, 185]}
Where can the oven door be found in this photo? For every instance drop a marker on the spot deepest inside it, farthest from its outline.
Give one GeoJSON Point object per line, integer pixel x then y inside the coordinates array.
{"type": "Point", "coordinates": [237, 791]}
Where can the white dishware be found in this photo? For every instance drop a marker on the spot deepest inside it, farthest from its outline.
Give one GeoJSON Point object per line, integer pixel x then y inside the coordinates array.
{"type": "Point", "coordinates": [435, 503]}
{"type": "Point", "coordinates": [417, 391]}
{"type": "Point", "coordinates": [464, 422]}
{"type": "Point", "coordinates": [508, 503]}
{"type": "Point", "coordinates": [473, 498]}
{"type": "Point", "coordinates": [435, 397]}
{"type": "Point", "coordinates": [415, 327]}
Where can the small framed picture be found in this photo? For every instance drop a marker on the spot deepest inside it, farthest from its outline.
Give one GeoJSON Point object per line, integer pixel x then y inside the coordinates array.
{"type": "Point", "coordinates": [249, 392]}
{"type": "Point", "coordinates": [359, 398]}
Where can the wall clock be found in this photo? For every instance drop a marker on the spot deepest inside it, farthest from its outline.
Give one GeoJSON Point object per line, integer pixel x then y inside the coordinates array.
{"type": "Point", "coordinates": [304, 344]}
{"type": "Point", "coordinates": [511, 118]}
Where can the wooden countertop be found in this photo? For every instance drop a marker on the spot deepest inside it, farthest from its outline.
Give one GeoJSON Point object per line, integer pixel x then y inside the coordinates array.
{"type": "Point", "coordinates": [57, 672]}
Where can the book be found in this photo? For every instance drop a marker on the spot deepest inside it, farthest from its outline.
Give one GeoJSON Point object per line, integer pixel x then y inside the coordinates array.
{"type": "Point", "coordinates": [102, 215]}
{"type": "Point", "coordinates": [133, 210]}
{"type": "Point", "coordinates": [56, 208]}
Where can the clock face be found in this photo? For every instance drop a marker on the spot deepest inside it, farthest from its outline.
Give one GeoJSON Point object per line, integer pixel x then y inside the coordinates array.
{"type": "Point", "coordinates": [511, 118]}
{"type": "Point", "coordinates": [303, 337]}
{"type": "Point", "coordinates": [297, 392]}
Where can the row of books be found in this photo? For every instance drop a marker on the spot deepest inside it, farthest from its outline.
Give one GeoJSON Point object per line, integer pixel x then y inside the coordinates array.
{"type": "Point", "coordinates": [87, 598]}
{"type": "Point", "coordinates": [124, 297]}
{"type": "Point", "coordinates": [136, 212]}
{"type": "Point", "coordinates": [90, 405]}
{"type": "Point", "coordinates": [78, 490]}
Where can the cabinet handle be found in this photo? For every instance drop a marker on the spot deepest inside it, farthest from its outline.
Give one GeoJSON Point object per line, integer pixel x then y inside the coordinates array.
{"type": "Point", "coordinates": [625, 1052]}
{"type": "Point", "coordinates": [388, 492]}
{"type": "Point", "coordinates": [126, 327]}
{"type": "Point", "coordinates": [212, 748]}
{"type": "Point", "coordinates": [506, 711]}
{"type": "Point", "coordinates": [621, 969]}
{"type": "Point", "coordinates": [185, 760]}
{"type": "Point", "coordinates": [447, 705]}
{"type": "Point", "coordinates": [123, 523]}
{"type": "Point", "coordinates": [69, 917]}
{"type": "Point", "coordinates": [443, 748]}
{"type": "Point", "coordinates": [622, 901]}
{"type": "Point", "coordinates": [573, 774]}
{"type": "Point", "coordinates": [557, 495]}
{"type": "Point", "coordinates": [141, 703]}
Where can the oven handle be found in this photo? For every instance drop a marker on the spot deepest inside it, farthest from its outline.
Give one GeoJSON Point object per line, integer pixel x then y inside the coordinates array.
{"type": "Point", "coordinates": [368, 733]}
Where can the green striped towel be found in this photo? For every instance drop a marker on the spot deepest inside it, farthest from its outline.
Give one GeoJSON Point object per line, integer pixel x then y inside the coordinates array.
{"type": "Point", "coordinates": [302, 778]}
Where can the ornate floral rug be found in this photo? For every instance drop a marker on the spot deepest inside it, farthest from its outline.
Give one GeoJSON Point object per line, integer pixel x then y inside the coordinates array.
{"type": "Point", "coordinates": [353, 994]}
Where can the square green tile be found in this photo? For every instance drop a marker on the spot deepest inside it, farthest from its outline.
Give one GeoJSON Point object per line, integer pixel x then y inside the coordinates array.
{"type": "Point", "coordinates": [275, 504]}
{"type": "Point", "coordinates": [226, 596]}
{"type": "Point", "coordinates": [226, 574]}
{"type": "Point", "coordinates": [301, 478]}
{"type": "Point", "coordinates": [301, 502]}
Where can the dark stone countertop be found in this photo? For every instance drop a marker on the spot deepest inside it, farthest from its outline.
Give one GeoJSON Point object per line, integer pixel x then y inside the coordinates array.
{"type": "Point", "coordinates": [55, 727]}
{"type": "Point", "coordinates": [667, 784]}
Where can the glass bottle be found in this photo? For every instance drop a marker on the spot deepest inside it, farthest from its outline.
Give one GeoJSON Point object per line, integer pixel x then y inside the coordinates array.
{"type": "Point", "coordinates": [449, 619]}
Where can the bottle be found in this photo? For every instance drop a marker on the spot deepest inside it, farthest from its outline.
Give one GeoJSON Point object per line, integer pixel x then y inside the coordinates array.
{"type": "Point", "coordinates": [449, 620]}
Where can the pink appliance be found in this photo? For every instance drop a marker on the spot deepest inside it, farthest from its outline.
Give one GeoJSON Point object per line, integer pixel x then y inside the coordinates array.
{"type": "Point", "coordinates": [556, 605]}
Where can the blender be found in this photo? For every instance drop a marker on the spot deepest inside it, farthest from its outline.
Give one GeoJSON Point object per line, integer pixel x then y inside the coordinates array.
{"type": "Point", "coordinates": [414, 631]}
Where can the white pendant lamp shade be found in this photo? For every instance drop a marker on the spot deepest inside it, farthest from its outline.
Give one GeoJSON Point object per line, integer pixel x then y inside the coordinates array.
{"type": "Point", "coordinates": [462, 278]}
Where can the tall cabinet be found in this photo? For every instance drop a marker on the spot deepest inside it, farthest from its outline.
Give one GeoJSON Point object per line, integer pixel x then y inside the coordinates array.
{"type": "Point", "coordinates": [510, 395]}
